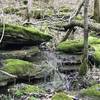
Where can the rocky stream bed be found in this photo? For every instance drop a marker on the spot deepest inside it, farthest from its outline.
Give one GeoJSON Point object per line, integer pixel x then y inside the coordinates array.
{"type": "Point", "coordinates": [35, 64]}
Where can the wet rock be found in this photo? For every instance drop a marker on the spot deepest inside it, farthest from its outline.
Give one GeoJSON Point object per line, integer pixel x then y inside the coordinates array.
{"type": "Point", "coordinates": [4, 76]}
{"type": "Point", "coordinates": [25, 54]}
{"type": "Point", "coordinates": [23, 69]}
{"type": "Point", "coordinates": [68, 63]}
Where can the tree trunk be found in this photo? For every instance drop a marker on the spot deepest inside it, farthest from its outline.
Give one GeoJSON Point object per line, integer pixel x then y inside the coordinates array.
{"type": "Point", "coordinates": [84, 65]}
{"type": "Point", "coordinates": [86, 28]}
{"type": "Point", "coordinates": [29, 9]}
{"type": "Point", "coordinates": [97, 10]}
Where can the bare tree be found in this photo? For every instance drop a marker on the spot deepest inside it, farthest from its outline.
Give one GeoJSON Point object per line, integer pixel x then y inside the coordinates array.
{"type": "Point", "coordinates": [97, 10]}
{"type": "Point", "coordinates": [84, 65]}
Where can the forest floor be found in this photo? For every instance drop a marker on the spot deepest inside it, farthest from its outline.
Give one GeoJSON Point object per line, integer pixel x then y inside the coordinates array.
{"type": "Point", "coordinates": [67, 83]}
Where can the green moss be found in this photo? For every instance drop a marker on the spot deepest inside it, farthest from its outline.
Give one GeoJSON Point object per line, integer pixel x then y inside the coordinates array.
{"type": "Point", "coordinates": [38, 13]}
{"type": "Point", "coordinates": [29, 33]}
{"type": "Point", "coordinates": [27, 89]}
{"type": "Point", "coordinates": [64, 8]}
{"type": "Point", "coordinates": [74, 46]}
{"type": "Point", "coordinates": [61, 96]}
{"type": "Point", "coordinates": [70, 46]}
{"type": "Point", "coordinates": [19, 67]}
{"type": "Point", "coordinates": [32, 98]}
{"type": "Point", "coordinates": [48, 12]}
{"type": "Point", "coordinates": [92, 91]}
{"type": "Point", "coordinates": [10, 10]}
{"type": "Point", "coordinates": [33, 50]}
{"type": "Point", "coordinates": [31, 89]}
{"type": "Point", "coordinates": [79, 17]}
{"type": "Point", "coordinates": [83, 68]}
{"type": "Point", "coordinates": [97, 54]}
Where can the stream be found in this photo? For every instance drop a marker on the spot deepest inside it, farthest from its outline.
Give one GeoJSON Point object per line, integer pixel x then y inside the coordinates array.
{"type": "Point", "coordinates": [60, 72]}
{"type": "Point", "coordinates": [54, 79]}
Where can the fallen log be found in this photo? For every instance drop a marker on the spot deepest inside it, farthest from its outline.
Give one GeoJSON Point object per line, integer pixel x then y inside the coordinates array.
{"type": "Point", "coordinates": [92, 26]}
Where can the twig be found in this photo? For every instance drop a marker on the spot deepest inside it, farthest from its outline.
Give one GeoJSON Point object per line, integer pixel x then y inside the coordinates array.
{"type": "Point", "coordinates": [3, 32]}
{"type": "Point", "coordinates": [10, 75]}
{"type": "Point", "coordinates": [76, 12]}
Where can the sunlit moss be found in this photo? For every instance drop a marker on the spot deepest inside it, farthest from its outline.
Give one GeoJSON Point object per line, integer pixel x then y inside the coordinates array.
{"type": "Point", "coordinates": [30, 33]}
{"type": "Point", "coordinates": [19, 67]}
{"type": "Point", "coordinates": [74, 46]}
{"type": "Point", "coordinates": [61, 96]}
{"type": "Point", "coordinates": [27, 89]}
{"type": "Point", "coordinates": [92, 91]}
{"type": "Point", "coordinates": [70, 46]}
{"type": "Point", "coordinates": [38, 13]}
{"type": "Point", "coordinates": [64, 8]}
{"type": "Point", "coordinates": [10, 10]}
{"type": "Point", "coordinates": [79, 17]}
{"type": "Point", "coordinates": [96, 54]}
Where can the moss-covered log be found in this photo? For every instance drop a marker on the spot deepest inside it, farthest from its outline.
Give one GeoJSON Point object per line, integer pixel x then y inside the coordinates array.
{"type": "Point", "coordinates": [92, 26]}
{"type": "Point", "coordinates": [19, 35]}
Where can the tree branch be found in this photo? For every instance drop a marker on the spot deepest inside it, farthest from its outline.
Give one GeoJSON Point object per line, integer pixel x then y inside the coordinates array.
{"type": "Point", "coordinates": [92, 26]}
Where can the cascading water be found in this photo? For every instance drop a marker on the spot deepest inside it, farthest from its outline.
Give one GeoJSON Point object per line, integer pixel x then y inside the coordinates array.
{"type": "Point", "coordinates": [55, 60]}
{"type": "Point", "coordinates": [56, 76]}
{"type": "Point", "coordinates": [57, 79]}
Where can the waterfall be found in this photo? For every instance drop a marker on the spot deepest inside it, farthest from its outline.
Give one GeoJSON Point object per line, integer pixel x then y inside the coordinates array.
{"type": "Point", "coordinates": [56, 78]}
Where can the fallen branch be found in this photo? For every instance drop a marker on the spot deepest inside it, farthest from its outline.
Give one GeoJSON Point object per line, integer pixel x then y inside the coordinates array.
{"type": "Point", "coordinates": [3, 31]}
{"type": "Point", "coordinates": [67, 34]}
{"type": "Point", "coordinates": [92, 26]}
{"type": "Point", "coordinates": [76, 12]}
{"type": "Point", "coordinates": [10, 75]}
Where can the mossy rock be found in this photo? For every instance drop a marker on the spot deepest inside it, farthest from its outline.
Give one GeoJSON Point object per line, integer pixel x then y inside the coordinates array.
{"type": "Point", "coordinates": [10, 10]}
{"type": "Point", "coordinates": [75, 46]}
{"type": "Point", "coordinates": [48, 12]}
{"type": "Point", "coordinates": [25, 54]}
{"type": "Point", "coordinates": [25, 89]}
{"type": "Point", "coordinates": [61, 96]}
{"type": "Point", "coordinates": [64, 8]}
{"type": "Point", "coordinates": [38, 13]}
{"type": "Point", "coordinates": [79, 17]}
{"type": "Point", "coordinates": [32, 98]}
{"type": "Point", "coordinates": [23, 68]}
{"type": "Point", "coordinates": [19, 67]}
{"type": "Point", "coordinates": [83, 68]}
{"type": "Point", "coordinates": [96, 54]}
{"type": "Point", "coordinates": [20, 35]}
{"type": "Point", "coordinates": [70, 46]}
{"type": "Point", "coordinates": [93, 91]}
